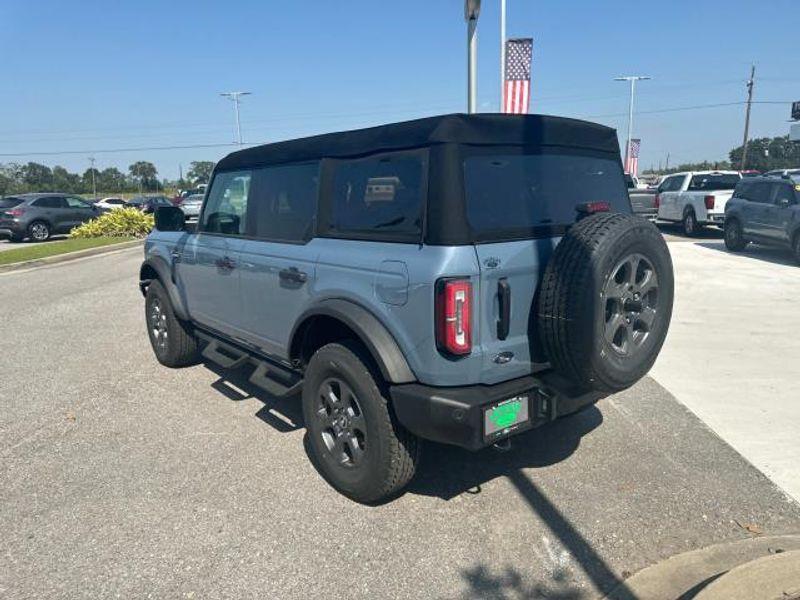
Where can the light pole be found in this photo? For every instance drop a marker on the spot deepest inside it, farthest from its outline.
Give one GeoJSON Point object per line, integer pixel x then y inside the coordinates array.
{"type": "Point", "coordinates": [472, 9]}
{"type": "Point", "coordinates": [236, 98]}
{"type": "Point", "coordinates": [502, 52]}
{"type": "Point", "coordinates": [94, 183]}
{"type": "Point", "coordinates": [633, 79]}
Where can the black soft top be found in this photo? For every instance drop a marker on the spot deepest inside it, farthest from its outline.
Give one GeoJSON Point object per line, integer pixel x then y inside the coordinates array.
{"type": "Point", "coordinates": [481, 129]}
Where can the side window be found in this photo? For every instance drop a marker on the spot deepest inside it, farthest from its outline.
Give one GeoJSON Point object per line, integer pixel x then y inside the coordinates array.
{"type": "Point", "coordinates": [225, 207]}
{"type": "Point", "coordinates": [284, 202]}
{"type": "Point", "coordinates": [50, 202]}
{"type": "Point", "coordinates": [758, 192]}
{"type": "Point", "coordinates": [378, 197]}
{"type": "Point", "coordinates": [782, 194]}
{"type": "Point", "coordinates": [673, 184]}
{"type": "Point", "coordinates": [74, 202]}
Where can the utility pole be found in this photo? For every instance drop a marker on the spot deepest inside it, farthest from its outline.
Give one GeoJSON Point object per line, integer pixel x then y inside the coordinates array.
{"type": "Point", "coordinates": [502, 52]}
{"type": "Point", "coordinates": [666, 168]}
{"type": "Point", "coordinates": [236, 98]}
{"type": "Point", "coordinates": [750, 83]}
{"type": "Point", "coordinates": [632, 79]}
{"type": "Point", "coordinates": [472, 9]}
{"type": "Point", "coordinates": [94, 183]}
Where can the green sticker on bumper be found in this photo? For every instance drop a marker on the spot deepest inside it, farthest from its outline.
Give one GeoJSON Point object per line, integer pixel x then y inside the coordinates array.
{"type": "Point", "coordinates": [505, 415]}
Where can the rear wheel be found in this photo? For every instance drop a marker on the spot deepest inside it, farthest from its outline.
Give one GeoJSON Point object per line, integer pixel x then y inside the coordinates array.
{"type": "Point", "coordinates": [39, 231]}
{"type": "Point", "coordinates": [172, 340]}
{"type": "Point", "coordinates": [354, 439]}
{"type": "Point", "coordinates": [689, 223]}
{"type": "Point", "coordinates": [606, 301]}
{"type": "Point", "coordinates": [796, 247]}
{"type": "Point", "coordinates": [734, 238]}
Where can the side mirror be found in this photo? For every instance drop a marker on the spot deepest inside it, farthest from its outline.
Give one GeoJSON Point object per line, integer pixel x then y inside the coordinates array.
{"type": "Point", "coordinates": [170, 218]}
{"type": "Point", "coordinates": [784, 202]}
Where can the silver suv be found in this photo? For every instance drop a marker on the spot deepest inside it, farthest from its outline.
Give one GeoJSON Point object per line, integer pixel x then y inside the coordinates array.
{"type": "Point", "coordinates": [459, 279]}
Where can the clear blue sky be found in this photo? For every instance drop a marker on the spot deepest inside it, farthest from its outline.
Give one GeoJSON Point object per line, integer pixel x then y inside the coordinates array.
{"type": "Point", "coordinates": [87, 76]}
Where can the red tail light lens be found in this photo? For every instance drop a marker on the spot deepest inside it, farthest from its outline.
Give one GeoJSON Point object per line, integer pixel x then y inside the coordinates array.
{"type": "Point", "coordinates": [590, 208]}
{"type": "Point", "coordinates": [15, 212]}
{"type": "Point", "coordinates": [709, 202]}
{"type": "Point", "coordinates": [454, 316]}
{"type": "Point", "coordinates": [657, 202]}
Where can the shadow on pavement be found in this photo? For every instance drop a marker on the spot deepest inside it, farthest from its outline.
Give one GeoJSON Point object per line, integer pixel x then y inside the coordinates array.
{"type": "Point", "coordinates": [674, 232]}
{"type": "Point", "coordinates": [448, 471]}
{"type": "Point", "coordinates": [770, 254]}
{"type": "Point", "coordinates": [282, 414]}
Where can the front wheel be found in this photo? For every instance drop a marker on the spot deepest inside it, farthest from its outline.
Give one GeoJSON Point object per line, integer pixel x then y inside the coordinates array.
{"type": "Point", "coordinates": [354, 438]}
{"type": "Point", "coordinates": [172, 340]}
{"type": "Point", "coordinates": [734, 239]}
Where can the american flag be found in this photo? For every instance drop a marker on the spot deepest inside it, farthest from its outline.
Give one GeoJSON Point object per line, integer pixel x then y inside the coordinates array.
{"type": "Point", "coordinates": [633, 157]}
{"type": "Point", "coordinates": [518, 75]}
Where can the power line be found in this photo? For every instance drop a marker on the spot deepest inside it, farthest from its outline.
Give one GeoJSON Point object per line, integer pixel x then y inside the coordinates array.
{"type": "Point", "coordinates": [111, 150]}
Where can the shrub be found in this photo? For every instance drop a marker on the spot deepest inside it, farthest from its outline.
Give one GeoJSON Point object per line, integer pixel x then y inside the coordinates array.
{"type": "Point", "coordinates": [123, 222]}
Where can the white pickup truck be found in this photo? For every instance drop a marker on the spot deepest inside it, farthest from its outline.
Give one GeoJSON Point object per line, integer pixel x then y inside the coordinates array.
{"type": "Point", "coordinates": [696, 198]}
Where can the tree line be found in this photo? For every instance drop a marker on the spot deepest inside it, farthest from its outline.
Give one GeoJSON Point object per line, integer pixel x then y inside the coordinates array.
{"type": "Point", "coordinates": [141, 177]}
{"type": "Point", "coordinates": [763, 154]}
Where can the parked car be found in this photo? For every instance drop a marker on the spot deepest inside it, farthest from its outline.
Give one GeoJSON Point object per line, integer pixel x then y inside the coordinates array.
{"type": "Point", "coordinates": [764, 210]}
{"type": "Point", "coordinates": [190, 205]}
{"type": "Point", "coordinates": [643, 201]}
{"type": "Point", "coordinates": [460, 279]}
{"type": "Point", "coordinates": [111, 203]}
{"type": "Point", "coordinates": [38, 216]}
{"type": "Point", "coordinates": [696, 199]}
{"type": "Point", "coordinates": [148, 204]}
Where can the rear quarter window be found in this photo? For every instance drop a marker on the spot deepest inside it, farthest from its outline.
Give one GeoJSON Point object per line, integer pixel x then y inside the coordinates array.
{"type": "Point", "coordinates": [510, 196]}
{"type": "Point", "coordinates": [379, 197]}
{"type": "Point", "coordinates": [10, 202]}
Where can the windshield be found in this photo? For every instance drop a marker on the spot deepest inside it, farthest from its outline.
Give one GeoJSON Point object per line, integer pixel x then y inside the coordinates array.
{"type": "Point", "coordinates": [508, 195]}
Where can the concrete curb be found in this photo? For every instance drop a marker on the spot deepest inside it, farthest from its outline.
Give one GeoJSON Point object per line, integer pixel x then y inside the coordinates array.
{"type": "Point", "coordinates": [684, 575]}
{"type": "Point", "coordinates": [68, 256]}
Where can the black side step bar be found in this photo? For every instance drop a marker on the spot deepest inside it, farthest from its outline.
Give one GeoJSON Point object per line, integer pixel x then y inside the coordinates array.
{"type": "Point", "coordinates": [270, 377]}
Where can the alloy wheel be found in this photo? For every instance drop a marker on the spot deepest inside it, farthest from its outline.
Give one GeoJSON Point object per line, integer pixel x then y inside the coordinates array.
{"type": "Point", "coordinates": [343, 427]}
{"type": "Point", "coordinates": [39, 232]}
{"type": "Point", "coordinates": [158, 325]}
{"type": "Point", "coordinates": [631, 304]}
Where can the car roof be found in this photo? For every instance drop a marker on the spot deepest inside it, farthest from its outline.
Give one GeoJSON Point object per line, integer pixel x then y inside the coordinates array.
{"type": "Point", "coordinates": [767, 178]}
{"type": "Point", "coordinates": [488, 129]}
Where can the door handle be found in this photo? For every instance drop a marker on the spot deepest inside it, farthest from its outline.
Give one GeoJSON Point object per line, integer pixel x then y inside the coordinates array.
{"type": "Point", "coordinates": [292, 274]}
{"type": "Point", "coordinates": [225, 263]}
{"type": "Point", "coordinates": [504, 296]}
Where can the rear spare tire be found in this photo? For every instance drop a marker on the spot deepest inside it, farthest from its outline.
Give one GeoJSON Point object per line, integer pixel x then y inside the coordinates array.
{"type": "Point", "coordinates": [606, 301]}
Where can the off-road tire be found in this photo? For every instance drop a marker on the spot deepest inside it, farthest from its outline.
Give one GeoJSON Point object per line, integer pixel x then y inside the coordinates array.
{"type": "Point", "coordinates": [391, 453]}
{"type": "Point", "coordinates": [180, 349]}
{"type": "Point", "coordinates": [573, 302]}
{"type": "Point", "coordinates": [689, 224]}
{"type": "Point", "coordinates": [734, 237]}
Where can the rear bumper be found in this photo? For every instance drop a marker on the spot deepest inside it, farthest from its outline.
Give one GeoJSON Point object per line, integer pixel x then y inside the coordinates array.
{"type": "Point", "coordinates": [715, 218]}
{"type": "Point", "coordinates": [455, 415]}
{"type": "Point", "coordinates": [9, 228]}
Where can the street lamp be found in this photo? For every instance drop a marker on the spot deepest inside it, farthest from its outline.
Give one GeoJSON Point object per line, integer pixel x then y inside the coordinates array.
{"type": "Point", "coordinates": [235, 97]}
{"type": "Point", "coordinates": [472, 9]}
{"type": "Point", "coordinates": [633, 79]}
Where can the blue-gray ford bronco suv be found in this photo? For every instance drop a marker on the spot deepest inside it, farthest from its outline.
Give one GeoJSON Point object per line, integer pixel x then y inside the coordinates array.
{"type": "Point", "coordinates": [460, 279]}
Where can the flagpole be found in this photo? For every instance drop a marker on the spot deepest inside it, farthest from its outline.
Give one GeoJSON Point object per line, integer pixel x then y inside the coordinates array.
{"type": "Point", "coordinates": [502, 51]}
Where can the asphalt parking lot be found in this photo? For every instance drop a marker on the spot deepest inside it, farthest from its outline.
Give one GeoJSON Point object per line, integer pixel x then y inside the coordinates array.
{"type": "Point", "coordinates": [122, 478]}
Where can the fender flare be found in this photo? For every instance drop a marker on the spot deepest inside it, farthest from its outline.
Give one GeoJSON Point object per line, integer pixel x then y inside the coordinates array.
{"type": "Point", "coordinates": [164, 275]}
{"type": "Point", "coordinates": [381, 344]}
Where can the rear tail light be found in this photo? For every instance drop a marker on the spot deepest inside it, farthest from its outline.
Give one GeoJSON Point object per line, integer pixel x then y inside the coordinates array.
{"type": "Point", "coordinates": [709, 202]}
{"type": "Point", "coordinates": [590, 208]}
{"type": "Point", "coordinates": [454, 316]}
{"type": "Point", "coordinates": [657, 202]}
{"type": "Point", "coordinates": [15, 212]}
